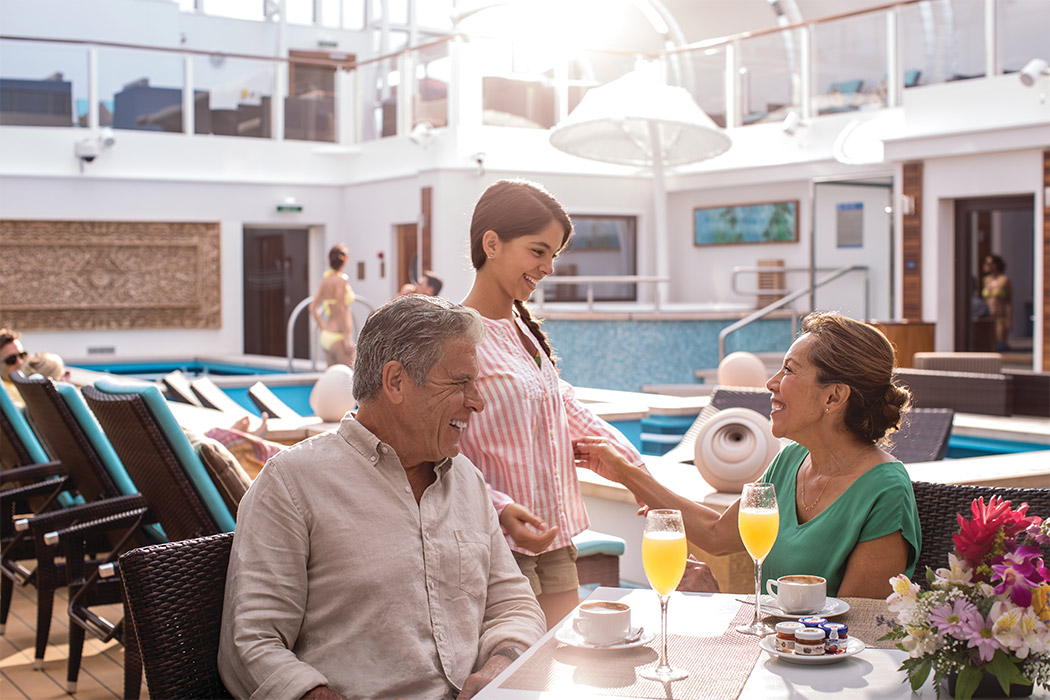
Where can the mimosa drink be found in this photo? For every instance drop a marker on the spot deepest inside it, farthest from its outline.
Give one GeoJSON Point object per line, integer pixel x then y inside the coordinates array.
{"type": "Point", "coordinates": [758, 530]}
{"type": "Point", "coordinates": [663, 557]}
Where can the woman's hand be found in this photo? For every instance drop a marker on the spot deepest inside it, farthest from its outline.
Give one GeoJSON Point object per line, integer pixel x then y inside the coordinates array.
{"type": "Point", "coordinates": [527, 531]}
{"type": "Point", "coordinates": [698, 577]}
{"type": "Point", "coordinates": [601, 457]}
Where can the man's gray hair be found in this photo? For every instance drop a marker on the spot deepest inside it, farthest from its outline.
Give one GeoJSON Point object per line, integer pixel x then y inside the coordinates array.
{"type": "Point", "coordinates": [411, 330]}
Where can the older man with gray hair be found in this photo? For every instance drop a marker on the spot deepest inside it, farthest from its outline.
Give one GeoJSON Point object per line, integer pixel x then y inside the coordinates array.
{"type": "Point", "coordinates": [368, 561]}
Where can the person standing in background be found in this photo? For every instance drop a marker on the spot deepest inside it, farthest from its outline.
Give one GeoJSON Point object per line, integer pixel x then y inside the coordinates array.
{"type": "Point", "coordinates": [997, 293]}
{"type": "Point", "coordinates": [331, 310]}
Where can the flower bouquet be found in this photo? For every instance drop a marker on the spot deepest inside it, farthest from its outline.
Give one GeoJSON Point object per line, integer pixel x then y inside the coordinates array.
{"type": "Point", "coordinates": [987, 612]}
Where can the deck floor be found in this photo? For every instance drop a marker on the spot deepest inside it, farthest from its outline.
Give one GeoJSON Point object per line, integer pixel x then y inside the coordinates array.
{"type": "Point", "coordinates": [101, 672]}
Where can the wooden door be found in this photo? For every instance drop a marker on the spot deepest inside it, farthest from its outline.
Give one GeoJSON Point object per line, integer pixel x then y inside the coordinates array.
{"type": "Point", "coordinates": [276, 267]}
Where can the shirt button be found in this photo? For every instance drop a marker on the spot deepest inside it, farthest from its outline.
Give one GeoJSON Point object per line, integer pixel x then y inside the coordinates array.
{"type": "Point", "coordinates": [372, 458]}
{"type": "Point", "coordinates": [408, 489]}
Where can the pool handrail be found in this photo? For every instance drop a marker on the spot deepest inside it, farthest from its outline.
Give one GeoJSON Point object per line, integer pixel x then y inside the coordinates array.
{"type": "Point", "coordinates": [785, 300]}
{"type": "Point", "coordinates": [290, 331]}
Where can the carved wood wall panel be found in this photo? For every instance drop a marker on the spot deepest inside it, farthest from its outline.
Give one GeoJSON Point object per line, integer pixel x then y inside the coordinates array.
{"type": "Point", "coordinates": [109, 275]}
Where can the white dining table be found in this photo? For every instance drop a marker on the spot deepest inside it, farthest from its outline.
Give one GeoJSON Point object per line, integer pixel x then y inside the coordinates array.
{"type": "Point", "coordinates": [872, 673]}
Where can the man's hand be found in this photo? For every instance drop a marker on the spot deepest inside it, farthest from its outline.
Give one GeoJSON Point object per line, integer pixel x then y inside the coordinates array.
{"type": "Point", "coordinates": [698, 577]}
{"type": "Point", "coordinates": [476, 681]}
{"type": "Point", "coordinates": [527, 531]}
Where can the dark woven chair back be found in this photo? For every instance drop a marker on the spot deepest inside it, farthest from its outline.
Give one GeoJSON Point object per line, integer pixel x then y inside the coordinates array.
{"type": "Point", "coordinates": [13, 452]}
{"type": "Point", "coordinates": [174, 593]}
{"type": "Point", "coordinates": [742, 397]}
{"type": "Point", "coordinates": [64, 439]}
{"type": "Point", "coordinates": [924, 435]}
{"type": "Point", "coordinates": [151, 463]}
{"type": "Point", "coordinates": [938, 505]}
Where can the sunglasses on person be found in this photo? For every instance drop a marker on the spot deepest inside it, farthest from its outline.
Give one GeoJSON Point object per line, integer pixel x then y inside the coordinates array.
{"type": "Point", "coordinates": [15, 357]}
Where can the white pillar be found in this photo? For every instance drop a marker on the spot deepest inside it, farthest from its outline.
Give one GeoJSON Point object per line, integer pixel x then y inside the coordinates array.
{"type": "Point", "coordinates": [188, 114]}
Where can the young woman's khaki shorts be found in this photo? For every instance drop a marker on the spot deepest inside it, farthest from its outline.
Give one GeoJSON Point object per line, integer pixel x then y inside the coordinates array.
{"type": "Point", "coordinates": [550, 572]}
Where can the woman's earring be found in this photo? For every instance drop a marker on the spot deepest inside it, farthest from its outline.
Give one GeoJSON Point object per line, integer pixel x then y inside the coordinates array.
{"type": "Point", "coordinates": [491, 256]}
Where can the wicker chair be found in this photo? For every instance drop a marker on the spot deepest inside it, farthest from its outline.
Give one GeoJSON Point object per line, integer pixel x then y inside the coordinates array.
{"type": "Point", "coordinates": [174, 594]}
{"type": "Point", "coordinates": [939, 503]}
{"type": "Point", "coordinates": [924, 435]}
{"type": "Point", "coordinates": [63, 425]}
{"type": "Point", "coordinates": [598, 558]}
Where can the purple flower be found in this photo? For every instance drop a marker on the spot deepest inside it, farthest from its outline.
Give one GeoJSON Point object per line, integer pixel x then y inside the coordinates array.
{"type": "Point", "coordinates": [952, 619]}
{"type": "Point", "coordinates": [978, 632]}
{"type": "Point", "coordinates": [1019, 572]}
{"type": "Point", "coordinates": [1035, 533]}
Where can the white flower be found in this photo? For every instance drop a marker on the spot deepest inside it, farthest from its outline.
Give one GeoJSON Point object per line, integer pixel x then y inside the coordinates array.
{"type": "Point", "coordinates": [1032, 634]}
{"type": "Point", "coordinates": [958, 573]}
{"type": "Point", "coordinates": [986, 590]}
{"type": "Point", "coordinates": [902, 600]}
{"type": "Point", "coordinates": [1006, 626]}
{"type": "Point", "coordinates": [919, 642]}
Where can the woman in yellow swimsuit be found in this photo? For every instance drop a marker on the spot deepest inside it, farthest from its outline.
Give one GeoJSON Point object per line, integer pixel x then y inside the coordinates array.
{"type": "Point", "coordinates": [331, 310]}
{"type": "Point", "coordinates": [996, 292]}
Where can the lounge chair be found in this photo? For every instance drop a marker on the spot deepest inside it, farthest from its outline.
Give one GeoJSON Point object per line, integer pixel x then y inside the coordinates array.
{"type": "Point", "coordinates": [177, 388]}
{"type": "Point", "coordinates": [267, 402]}
{"type": "Point", "coordinates": [924, 435]}
{"type": "Point", "coordinates": [179, 493]}
{"type": "Point", "coordinates": [174, 595]}
{"type": "Point", "coordinates": [70, 434]}
{"type": "Point", "coordinates": [211, 396]}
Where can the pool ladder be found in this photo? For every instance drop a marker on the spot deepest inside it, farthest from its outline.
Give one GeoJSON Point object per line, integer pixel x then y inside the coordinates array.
{"type": "Point", "coordinates": [359, 319]}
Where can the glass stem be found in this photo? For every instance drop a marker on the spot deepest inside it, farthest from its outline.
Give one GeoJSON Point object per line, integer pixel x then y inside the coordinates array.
{"type": "Point", "coordinates": [664, 666]}
{"type": "Point", "coordinates": [758, 592]}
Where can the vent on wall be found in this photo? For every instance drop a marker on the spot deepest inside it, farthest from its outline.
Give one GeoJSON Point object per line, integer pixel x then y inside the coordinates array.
{"type": "Point", "coordinates": [102, 350]}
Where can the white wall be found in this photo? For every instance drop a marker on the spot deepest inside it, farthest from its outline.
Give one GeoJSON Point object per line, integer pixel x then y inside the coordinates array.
{"type": "Point", "coordinates": [232, 205]}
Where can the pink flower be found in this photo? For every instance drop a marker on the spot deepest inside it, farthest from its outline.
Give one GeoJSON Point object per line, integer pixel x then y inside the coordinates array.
{"type": "Point", "coordinates": [1019, 572]}
{"type": "Point", "coordinates": [978, 632]}
{"type": "Point", "coordinates": [952, 619]}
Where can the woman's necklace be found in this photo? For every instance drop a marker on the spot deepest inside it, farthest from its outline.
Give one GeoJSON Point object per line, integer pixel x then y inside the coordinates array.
{"type": "Point", "coordinates": [826, 482]}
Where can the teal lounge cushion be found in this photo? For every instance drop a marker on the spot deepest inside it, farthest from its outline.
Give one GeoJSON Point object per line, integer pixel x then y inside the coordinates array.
{"type": "Point", "coordinates": [591, 542]}
{"type": "Point", "coordinates": [180, 445]}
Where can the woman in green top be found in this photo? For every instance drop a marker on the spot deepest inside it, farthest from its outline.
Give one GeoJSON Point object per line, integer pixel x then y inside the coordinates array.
{"type": "Point", "coordinates": [847, 511]}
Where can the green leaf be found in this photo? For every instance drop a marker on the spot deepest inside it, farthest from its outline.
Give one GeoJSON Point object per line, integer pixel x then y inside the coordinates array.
{"type": "Point", "coordinates": [930, 575]}
{"type": "Point", "coordinates": [919, 675]}
{"type": "Point", "coordinates": [969, 679]}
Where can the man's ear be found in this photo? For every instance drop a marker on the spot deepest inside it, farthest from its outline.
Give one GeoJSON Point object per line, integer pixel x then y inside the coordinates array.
{"type": "Point", "coordinates": [394, 378]}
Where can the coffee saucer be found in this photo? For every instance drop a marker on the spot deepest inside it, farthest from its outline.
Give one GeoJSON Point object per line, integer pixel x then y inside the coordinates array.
{"type": "Point", "coordinates": [833, 607]}
{"type": "Point", "coordinates": [567, 635]}
{"type": "Point", "coordinates": [853, 646]}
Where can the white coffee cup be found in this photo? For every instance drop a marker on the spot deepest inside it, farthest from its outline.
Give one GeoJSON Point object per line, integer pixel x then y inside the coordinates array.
{"type": "Point", "coordinates": [799, 593]}
{"type": "Point", "coordinates": [603, 621]}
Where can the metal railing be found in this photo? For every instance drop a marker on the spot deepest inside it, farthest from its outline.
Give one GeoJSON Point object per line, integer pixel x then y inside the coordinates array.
{"type": "Point", "coordinates": [790, 296]}
{"type": "Point", "coordinates": [290, 331]}
{"type": "Point", "coordinates": [591, 280]}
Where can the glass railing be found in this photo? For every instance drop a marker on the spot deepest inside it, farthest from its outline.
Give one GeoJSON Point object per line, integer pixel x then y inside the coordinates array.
{"type": "Point", "coordinates": [849, 59]}
{"type": "Point", "coordinates": [43, 84]}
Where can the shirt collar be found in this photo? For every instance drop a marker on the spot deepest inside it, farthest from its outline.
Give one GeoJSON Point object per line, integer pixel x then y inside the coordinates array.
{"type": "Point", "coordinates": [368, 445]}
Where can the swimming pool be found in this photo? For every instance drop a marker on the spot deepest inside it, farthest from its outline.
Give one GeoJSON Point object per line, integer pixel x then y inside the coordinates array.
{"type": "Point", "coordinates": [294, 390]}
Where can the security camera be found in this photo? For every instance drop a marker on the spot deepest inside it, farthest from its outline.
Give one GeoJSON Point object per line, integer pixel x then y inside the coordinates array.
{"type": "Point", "coordinates": [1033, 70]}
{"type": "Point", "coordinates": [86, 150]}
{"type": "Point", "coordinates": [107, 138]}
{"type": "Point", "coordinates": [792, 122]}
{"type": "Point", "coordinates": [479, 160]}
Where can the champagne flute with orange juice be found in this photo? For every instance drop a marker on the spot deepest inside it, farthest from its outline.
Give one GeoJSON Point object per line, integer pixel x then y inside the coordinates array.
{"type": "Point", "coordinates": [664, 552]}
{"type": "Point", "coordinates": [759, 521]}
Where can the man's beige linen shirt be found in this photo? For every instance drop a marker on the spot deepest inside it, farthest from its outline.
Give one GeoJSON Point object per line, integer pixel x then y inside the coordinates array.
{"type": "Point", "coordinates": [337, 577]}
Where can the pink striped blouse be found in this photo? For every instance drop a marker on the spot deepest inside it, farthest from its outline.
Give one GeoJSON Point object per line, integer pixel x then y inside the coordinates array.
{"type": "Point", "coordinates": [522, 441]}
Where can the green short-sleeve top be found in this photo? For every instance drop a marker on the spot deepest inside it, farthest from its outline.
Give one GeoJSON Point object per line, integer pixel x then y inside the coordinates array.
{"type": "Point", "coordinates": [878, 503]}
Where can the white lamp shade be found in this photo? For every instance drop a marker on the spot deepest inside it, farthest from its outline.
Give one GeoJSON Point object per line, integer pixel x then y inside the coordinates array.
{"type": "Point", "coordinates": [613, 124]}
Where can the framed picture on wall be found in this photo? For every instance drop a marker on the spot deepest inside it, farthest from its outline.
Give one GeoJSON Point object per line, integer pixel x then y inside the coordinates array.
{"type": "Point", "coordinates": [774, 222]}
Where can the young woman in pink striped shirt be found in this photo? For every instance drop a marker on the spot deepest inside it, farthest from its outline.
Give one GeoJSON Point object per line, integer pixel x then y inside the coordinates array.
{"type": "Point", "coordinates": [522, 441]}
